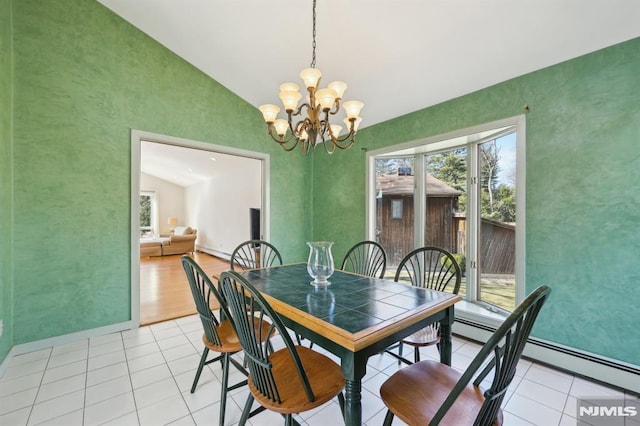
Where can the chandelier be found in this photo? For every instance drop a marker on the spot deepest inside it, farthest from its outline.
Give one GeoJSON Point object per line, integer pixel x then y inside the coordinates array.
{"type": "Point", "coordinates": [308, 124]}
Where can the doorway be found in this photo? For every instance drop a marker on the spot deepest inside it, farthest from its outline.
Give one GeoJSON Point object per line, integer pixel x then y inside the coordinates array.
{"type": "Point", "coordinates": [205, 187]}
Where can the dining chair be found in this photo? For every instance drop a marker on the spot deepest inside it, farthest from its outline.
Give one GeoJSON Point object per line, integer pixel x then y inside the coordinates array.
{"type": "Point", "coordinates": [289, 380]}
{"type": "Point", "coordinates": [435, 269]}
{"type": "Point", "coordinates": [254, 254]}
{"type": "Point", "coordinates": [432, 393]}
{"type": "Point", "coordinates": [219, 335]}
{"type": "Point", "coordinates": [366, 258]}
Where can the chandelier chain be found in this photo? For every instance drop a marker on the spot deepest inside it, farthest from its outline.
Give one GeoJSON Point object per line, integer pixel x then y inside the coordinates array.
{"type": "Point", "coordinates": [313, 43]}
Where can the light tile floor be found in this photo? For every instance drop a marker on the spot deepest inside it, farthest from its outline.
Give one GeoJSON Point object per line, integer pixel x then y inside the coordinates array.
{"type": "Point", "coordinates": [143, 377]}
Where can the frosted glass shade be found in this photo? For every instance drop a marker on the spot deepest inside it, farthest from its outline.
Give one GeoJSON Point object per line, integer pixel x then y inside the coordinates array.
{"type": "Point", "coordinates": [326, 98]}
{"type": "Point", "coordinates": [310, 76]}
{"type": "Point", "coordinates": [281, 126]}
{"type": "Point", "coordinates": [339, 87]}
{"type": "Point", "coordinates": [290, 99]}
{"type": "Point", "coordinates": [269, 112]}
{"type": "Point", "coordinates": [352, 108]}
{"type": "Point", "coordinates": [335, 129]}
{"type": "Point", "coordinates": [286, 87]}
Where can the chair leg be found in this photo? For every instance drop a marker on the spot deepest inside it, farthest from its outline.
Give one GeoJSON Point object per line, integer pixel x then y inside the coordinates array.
{"type": "Point", "coordinates": [341, 403]}
{"type": "Point", "coordinates": [203, 360]}
{"type": "Point", "coordinates": [399, 352]}
{"type": "Point", "coordinates": [388, 418]}
{"type": "Point", "coordinates": [225, 382]}
{"type": "Point", "coordinates": [246, 411]}
{"type": "Point", "coordinates": [416, 354]}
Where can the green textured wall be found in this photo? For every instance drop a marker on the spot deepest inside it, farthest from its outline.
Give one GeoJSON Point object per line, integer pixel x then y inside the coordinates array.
{"type": "Point", "coordinates": [83, 79]}
{"type": "Point", "coordinates": [583, 196]}
{"type": "Point", "coordinates": [6, 185]}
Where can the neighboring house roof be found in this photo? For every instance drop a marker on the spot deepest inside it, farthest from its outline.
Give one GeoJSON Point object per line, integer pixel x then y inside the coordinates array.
{"type": "Point", "coordinates": [404, 185]}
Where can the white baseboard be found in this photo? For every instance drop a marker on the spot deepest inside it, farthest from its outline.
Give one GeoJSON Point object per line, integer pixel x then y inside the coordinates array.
{"type": "Point", "coordinates": [591, 366]}
{"type": "Point", "coordinates": [6, 360]}
{"type": "Point", "coordinates": [213, 252]}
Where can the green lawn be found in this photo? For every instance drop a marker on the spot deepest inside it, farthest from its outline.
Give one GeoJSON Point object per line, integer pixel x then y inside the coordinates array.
{"type": "Point", "coordinates": [498, 290]}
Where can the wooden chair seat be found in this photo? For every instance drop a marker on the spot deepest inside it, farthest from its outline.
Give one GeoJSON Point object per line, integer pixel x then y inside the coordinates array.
{"type": "Point", "coordinates": [324, 375]}
{"type": "Point", "coordinates": [416, 392]}
{"type": "Point", "coordinates": [229, 338]}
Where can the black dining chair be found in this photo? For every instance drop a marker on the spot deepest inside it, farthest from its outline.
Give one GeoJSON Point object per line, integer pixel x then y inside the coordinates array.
{"type": "Point", "coordinates": [432, 393]}
{"type": "Point", "coordinates": [290, 380]}
{"type": "Point", "coordinates": [366, 258]}
{"type": "Point", "coordinates": [435, 269]}
{"type": "Point", "coordinates": [219, 335]}
{"type": "Point", "coordinates": [255, 254]}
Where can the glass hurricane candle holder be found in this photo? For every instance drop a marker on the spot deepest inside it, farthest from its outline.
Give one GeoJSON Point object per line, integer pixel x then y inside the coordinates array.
{"type": "Point", "coordinates": [320, 264]}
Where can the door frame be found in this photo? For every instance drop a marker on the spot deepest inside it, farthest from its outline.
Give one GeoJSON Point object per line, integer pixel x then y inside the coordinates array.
{"type": "Point", "coordinates": [137, 136]}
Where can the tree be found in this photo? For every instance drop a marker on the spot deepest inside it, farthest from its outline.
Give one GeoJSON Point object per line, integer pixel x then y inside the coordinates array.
{"type": "Point", "coordinates": [451, 168]}
{"type": "Point", "coordinates": [489, 168]}
{"type": "Point", "coordinates": [389, 166]}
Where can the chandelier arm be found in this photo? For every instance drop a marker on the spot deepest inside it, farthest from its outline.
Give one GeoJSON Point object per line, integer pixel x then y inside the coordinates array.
{"type": "Point", "coordinates": [299, 110]}
{"type": "Point", "coordinates": [329, 150]}
{"type": "Point", "coordinates": [326, 128]}
{"type": "Point", "coordinates": [337, 107]}
{"type": "Point", "coordinates": [276, 137]}
{"type": "Point", "coordinates": [338, 139]}
{"type": "Point", "coordinates": [283, 143]}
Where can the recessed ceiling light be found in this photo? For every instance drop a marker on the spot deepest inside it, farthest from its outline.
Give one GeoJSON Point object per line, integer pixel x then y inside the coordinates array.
{"type": "Point", "coordinates": [213, 158]}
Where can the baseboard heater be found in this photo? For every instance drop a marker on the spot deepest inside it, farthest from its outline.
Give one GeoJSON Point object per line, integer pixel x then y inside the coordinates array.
{"type": "Point", "coordinates": [213, 252]}
{"type": "Point", "coordinates": [608, 372]}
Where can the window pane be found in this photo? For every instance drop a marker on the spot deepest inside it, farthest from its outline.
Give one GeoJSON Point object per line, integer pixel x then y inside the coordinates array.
{"type": "Point", "coordinates": [145, 214]}
{"type": "Point", "coordinates": [446, 187]}
{"type": "Point", "coordinates": [498, 222]}
{"type": "Point", "coordinates": [394, 209]}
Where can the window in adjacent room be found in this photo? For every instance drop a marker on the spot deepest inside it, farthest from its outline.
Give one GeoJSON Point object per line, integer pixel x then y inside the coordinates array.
{"type": "Point", "coordinates": [148, 212]}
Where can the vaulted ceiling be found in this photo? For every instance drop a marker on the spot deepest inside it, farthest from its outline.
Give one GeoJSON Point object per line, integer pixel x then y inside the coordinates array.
{"type": "Point", "coordinates": [395, 56]}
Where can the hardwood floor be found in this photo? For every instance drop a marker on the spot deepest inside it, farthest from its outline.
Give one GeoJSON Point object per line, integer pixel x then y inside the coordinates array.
{"type": "Point", "coordinates": [164, 290]}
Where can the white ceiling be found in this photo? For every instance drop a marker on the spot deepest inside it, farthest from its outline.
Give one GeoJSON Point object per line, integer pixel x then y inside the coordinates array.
{"type": "Point", "coordinates": [396, 56]}
{"type": "Point", "coordinates": [188, 166]}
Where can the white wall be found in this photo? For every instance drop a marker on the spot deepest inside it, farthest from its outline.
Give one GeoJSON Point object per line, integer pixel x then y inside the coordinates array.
{"type": "Point", "coordinates": [170, 199]}
{"type": "Point", "coordinates": [220, 207]}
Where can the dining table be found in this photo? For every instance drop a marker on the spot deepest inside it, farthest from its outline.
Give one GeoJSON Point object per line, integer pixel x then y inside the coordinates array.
{"type": "Point", "coordinates": [353, 317]}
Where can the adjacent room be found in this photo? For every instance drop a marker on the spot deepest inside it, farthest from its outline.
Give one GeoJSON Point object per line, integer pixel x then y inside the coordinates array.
{"type": "Point", "coordinates": [194, 202]}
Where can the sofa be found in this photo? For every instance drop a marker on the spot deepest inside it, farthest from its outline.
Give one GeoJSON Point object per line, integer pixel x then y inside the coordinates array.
{"type": "Point", "coordinates": [181, 240]}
